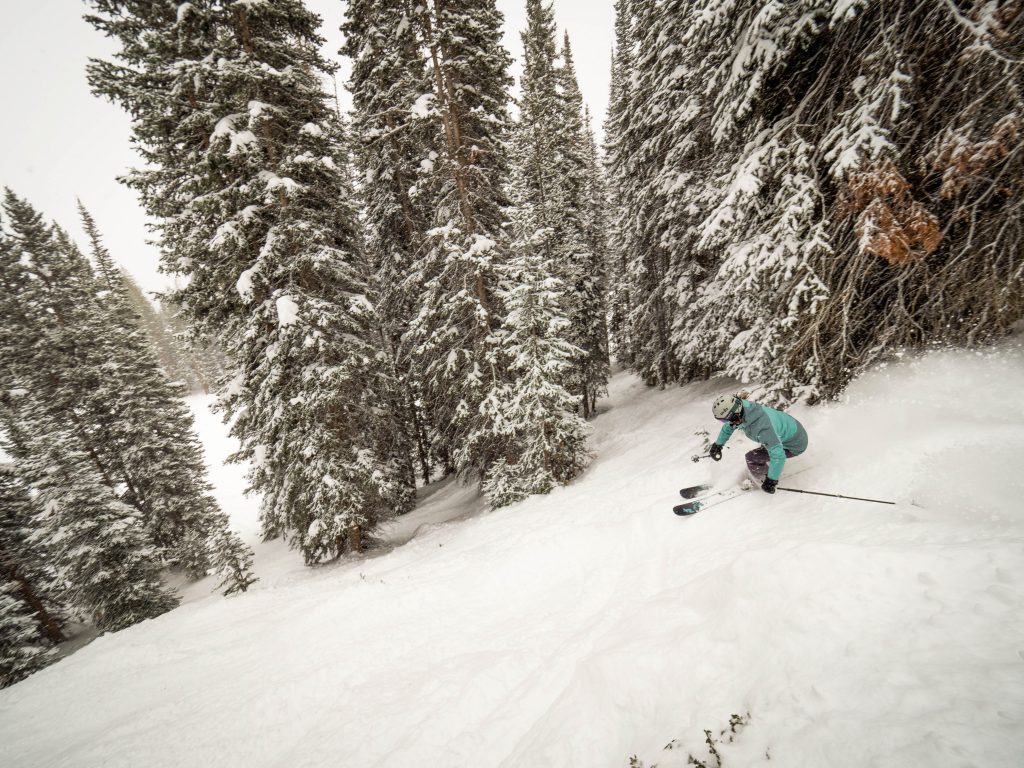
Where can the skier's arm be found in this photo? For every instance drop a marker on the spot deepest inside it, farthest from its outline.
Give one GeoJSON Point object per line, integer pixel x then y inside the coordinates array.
{"type": "Point", "coordinates": [724, 434]}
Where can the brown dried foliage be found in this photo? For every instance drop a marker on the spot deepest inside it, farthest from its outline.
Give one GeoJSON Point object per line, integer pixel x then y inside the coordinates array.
{"type": "Point", "coordinates": [890, 223]}
{"type": "Point", "coordinates": [1003, 17]}
{"type": "Point", "coordinates": [962, 161]}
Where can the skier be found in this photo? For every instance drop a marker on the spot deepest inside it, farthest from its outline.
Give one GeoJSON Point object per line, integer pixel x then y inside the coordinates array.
{"type": "Point", "coordinates": [780, 435]}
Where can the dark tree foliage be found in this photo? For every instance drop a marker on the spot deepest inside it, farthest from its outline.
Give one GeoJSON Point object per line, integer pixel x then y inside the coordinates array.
{"type": "Point", "coordinates": [246, 174]}
{"type": "Point", "coordinates": [817, 184]}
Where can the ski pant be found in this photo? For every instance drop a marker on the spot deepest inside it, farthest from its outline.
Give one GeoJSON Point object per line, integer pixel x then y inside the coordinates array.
{"type": "Point", "coordinates": [757, 461]}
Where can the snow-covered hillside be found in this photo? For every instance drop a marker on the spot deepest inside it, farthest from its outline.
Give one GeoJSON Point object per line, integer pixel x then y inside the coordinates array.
{"type": "Point", "coordinates": [590, 625]}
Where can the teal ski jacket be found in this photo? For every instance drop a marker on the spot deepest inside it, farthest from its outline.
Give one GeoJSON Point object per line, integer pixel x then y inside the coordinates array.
{"type": "Point", "coordinates": [778, 432]}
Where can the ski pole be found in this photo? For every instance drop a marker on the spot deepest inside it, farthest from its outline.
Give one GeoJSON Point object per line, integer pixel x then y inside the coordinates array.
{"type": "Point", "coordinates": [835, 495]}
{"type": "Point", "coordinates": [695, 458]}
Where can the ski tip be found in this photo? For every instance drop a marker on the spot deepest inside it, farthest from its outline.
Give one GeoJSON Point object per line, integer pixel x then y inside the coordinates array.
{"type": "Point", "coordinates": [685, 509]}
{"type": "Point", "coordinates": [693, 491]}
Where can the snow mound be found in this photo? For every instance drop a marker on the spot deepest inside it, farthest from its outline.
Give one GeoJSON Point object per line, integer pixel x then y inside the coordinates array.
{"type": "Point", "coordinates": [589, 625]}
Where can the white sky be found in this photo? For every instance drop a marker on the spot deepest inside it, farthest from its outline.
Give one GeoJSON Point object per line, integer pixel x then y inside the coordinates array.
{"type": "Point", "coordinates": [58, 142]}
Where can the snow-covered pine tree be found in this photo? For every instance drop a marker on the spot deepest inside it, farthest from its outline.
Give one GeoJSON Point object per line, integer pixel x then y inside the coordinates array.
{"type": "Point", "coordinates": [535, 411]}
{"type": "Point", "coordinates": [463, 262]}
{"type": "Point", "coordinates": [648, 132]}
{"type": "Point", "coordinates": [819, 207]}
{"type": "Point", "coordinates": [203, 355]}
{"type": "Point", "coordinates": [542, 223]}
{"type": "Point", "coordinates": [922, 165]}
{"type": "Point", "coordinates": [98, 545]}
{"type": "Point", "coordinates": [102, 561]}
{"type": "Point", "coordinates": [30, 619]}
{"type": "Point", "coordinates": [73, 341]}
{"type": "Point", "coordinates": [583, 221]}
{"type": "Point", "coordinates": [58, 425]}
{"type": "Point", "coordinates": [616, 154]}
{"type": "Point", "coordinates": [181, 368]}
{"type": "Point", "coordinates": [22, 650]}
{"type": "Point", "coordinates": [393, 132]}
{"type": "Point", "coordinates": [551, 192]}
{"type": "Point", "coordinates": [536, 414]}
{"type": "Point", "coordinates": [53, 340]}
{"type": "Point", "coordinates": [154, 435]}
{"type": "Point", "coordinates": [248, 184]}
{"type": "Point", "coordinates": [766, 284]}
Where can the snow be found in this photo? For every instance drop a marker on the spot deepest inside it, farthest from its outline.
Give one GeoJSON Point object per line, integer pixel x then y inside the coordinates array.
{"type": "Point", "coordinates": [287, 310]}
{"type": "Point", "coordinates": [423, 105]}
{"type": "Point", "coordinates": [846, 10]}
{"type": "Point", "coordinates": [225, 232]}
{"type": "Point", "coordinates": [244, 284]}
{"type": "Point", "coordinates": [481, 245]}
{"type": "Point", "coordinates": [240, 140]}
{"type": "Point", "coordinates": [273, 181]}
{"type": "Point", "coordinates": [183, 9]}
{"type": "Point", "coordinates": [589, 625]}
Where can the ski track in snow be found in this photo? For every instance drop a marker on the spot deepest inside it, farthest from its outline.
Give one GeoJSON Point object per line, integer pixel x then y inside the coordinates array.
{"type": "Point", "coordinates": [592, 624]}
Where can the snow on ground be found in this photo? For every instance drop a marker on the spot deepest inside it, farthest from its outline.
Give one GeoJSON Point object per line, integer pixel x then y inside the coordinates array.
{"type": "Point", "coordinates": [592, 624]}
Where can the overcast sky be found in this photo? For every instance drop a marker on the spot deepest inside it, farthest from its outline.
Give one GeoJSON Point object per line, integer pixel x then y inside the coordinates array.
{"type": "Point", "coordinates": [58, 142]}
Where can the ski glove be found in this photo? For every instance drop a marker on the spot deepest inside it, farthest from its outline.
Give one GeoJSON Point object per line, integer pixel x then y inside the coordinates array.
{"type": "Point", "coordinates": [768, 486]}
{"type": "Point", "coordinates": [715, 452]}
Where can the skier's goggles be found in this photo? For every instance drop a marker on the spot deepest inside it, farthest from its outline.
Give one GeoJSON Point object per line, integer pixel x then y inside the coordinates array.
{"type": "Point", "coordinates": [732, 415]}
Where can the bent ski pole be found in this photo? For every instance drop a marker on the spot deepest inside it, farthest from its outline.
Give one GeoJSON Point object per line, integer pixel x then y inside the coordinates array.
{"type": "Point", "coordinates": [835, 495]}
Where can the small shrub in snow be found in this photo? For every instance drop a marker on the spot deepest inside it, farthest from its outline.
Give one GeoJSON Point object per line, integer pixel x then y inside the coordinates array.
{"type": "Point", "coordinates": [713, 758]}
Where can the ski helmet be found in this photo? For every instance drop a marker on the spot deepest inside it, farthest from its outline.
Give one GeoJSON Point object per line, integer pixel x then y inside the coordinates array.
{"type": "Point", "coordinates": [726, 407]}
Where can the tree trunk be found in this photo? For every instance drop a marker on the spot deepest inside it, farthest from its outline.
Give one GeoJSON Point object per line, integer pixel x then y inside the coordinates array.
{"type": "Point", "coordinates": [355, 539]}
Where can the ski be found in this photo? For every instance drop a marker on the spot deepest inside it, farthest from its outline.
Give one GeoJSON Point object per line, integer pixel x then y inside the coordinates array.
{"type": "Point", "coordinates": [693, 491]}
{"type": "Point", "coordinates": [696, 505]}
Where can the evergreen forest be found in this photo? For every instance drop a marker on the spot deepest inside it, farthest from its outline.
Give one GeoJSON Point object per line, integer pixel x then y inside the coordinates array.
{"type": "Point", "coordinates": [439, 281]}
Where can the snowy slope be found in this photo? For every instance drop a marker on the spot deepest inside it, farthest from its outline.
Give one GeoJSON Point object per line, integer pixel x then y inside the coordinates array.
{"type": "Point", "coordinates": [590, 625]}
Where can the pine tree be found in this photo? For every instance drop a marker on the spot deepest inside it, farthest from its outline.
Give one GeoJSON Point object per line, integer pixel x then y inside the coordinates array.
{"type": "Point", "coordinates": [98, 544]}
{"type": "Point", "coordinates": [537, 414]}
{"type": "Point", "coordinates": [53, 340]}
{"type": "Point", "coordinates": [816, 207]}
{"type": "Point", "coordinates": [551, 188]}
{"type": "Point", "coordinates": [248, 183]}
{"type": "Point", "coordinates": [22, 651]}
{"type": "Point", "coordinates": [202, 355]}
{"type": "Point", "coordinates": [583, 222]}
{"type": "Point", "coordinates": [30, 617]}
{"type": "Point", "coordinates": [74, 343]}
{"type": "Point", "coordinates": [535, 411]}
{"type": "Point", "coordinates": [55, 425]}
{"type": "Point", "coordinates": [180, 367]}
{"type": "Point", "coordinates": [617, 150]}
{"type": "Point", "coordinates": [547, 185]}
{"type": "Point", "coordinates": [463, 262]}
{"type": "Point", "coordinates": [160, 455]}
{"type": "Point", "coordinates": [433, 152]}
{"type": "Point", "coordinates": [393, 126]}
